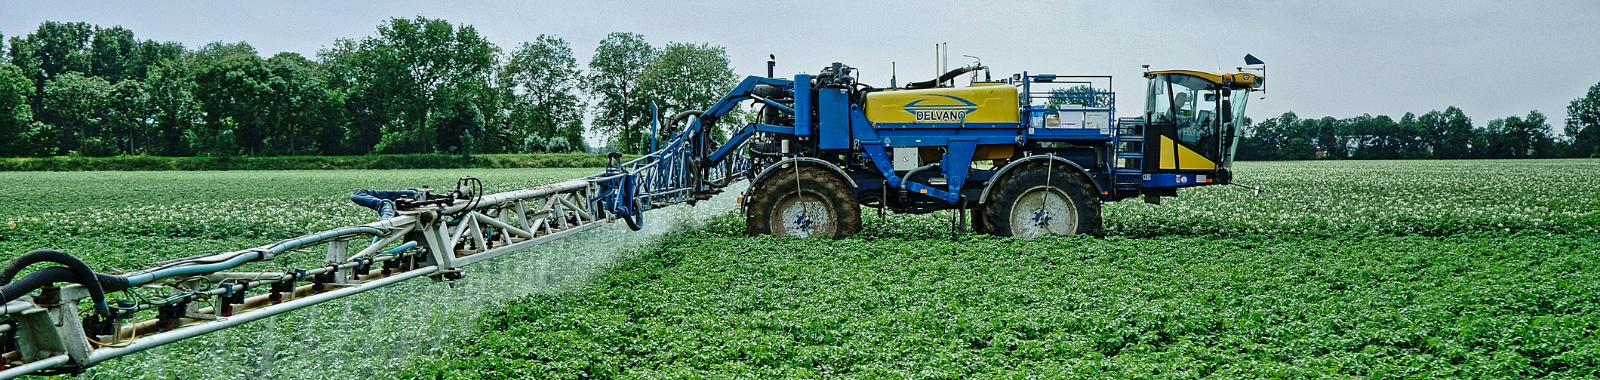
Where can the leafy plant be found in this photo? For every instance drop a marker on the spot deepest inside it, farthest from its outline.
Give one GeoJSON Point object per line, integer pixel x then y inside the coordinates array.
{"type": "Point", "coordinates": [1365, 269]}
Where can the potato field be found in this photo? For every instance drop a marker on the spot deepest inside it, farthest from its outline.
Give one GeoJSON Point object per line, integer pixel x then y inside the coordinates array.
{"type": "Point", "coordinates": [1398, 269]}
{"type": "Point", "coordinates": [1344, 269]}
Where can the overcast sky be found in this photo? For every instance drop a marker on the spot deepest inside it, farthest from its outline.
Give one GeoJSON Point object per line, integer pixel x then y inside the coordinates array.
{"type": "Point", "coordinates": [1325, 58]}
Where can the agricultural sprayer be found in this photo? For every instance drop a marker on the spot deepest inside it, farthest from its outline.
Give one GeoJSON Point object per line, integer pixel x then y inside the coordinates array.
{"type": "Point", "coordinates": [1026, 155]}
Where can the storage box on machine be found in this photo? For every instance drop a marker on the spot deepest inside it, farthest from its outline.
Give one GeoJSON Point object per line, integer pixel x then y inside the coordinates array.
{"type": "Point", "coordinates": [1075, 116]}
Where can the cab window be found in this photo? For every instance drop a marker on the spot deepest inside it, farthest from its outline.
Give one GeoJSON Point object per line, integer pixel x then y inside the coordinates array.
{"type": "Point", "coordinates": [1190, 103]}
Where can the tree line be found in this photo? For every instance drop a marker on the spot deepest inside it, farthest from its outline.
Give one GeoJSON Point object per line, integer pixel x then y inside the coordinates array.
{"type": "Point", "coordinates": [418, 85]}
{"type": "Point", "coordinates": [1436, 134]}
{"type": "Point", "coordinates": [422, 85]}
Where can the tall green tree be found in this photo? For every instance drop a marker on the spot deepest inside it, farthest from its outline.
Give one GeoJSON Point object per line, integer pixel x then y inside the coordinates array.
{"type": "Point", "coordinates": [273, 106]}
{"type": "Point", "coordinates": [303, 109]}
{"type": "Point", "coordinates": [410, 78]}
{"type": "Point", "coordinates": [1450, 133]}
{"type": "Point", "coordinates": [1285, 137]}
{"type": "Point", "coordinates": [543, 81]}
{"type": "Point", "coordinates": [1536, 130]}
{"type": "Point", "coordinates": [82, 105]}
{"type": "Point", "coordinates": [170, 86]}
{"type": "Point", "coordinates": [113, 54]}
{"type": "Point", "coordinates": [1496, 142]}
{"type": "Point", "coordinates": [1080, 94]}
{"type": "Point", "coordinates": [151, 54]}
{"type": "Point", "coordinates": [53, 49]}
{"type": "Point", "coordinates": [1518, 137]}
{"type": "Point", "coordinates": [19, 134]}
{"type": "Point", "coordinates": [129, 115]}
{"type": "Point", "coordinates": [460, 129]}
{"type": "Point", "coordinates": [621, 109]}
{"type": "Point", "coordinates": [348, 71]}
{"type": "Point", "coordinates": [1583, 124]}
{"type": "Point", "coordinates": [232, 85]}
{"type": "Point", "coordinates": [689, 77]}
{"type": "Point", "coordinates": [437, 67]}
{"type": "Point", "coordinates": [1326, 137]}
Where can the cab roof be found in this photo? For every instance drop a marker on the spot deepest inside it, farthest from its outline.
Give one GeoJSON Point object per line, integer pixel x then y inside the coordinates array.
{"type": "Point", "coordinates": [1237, 80]}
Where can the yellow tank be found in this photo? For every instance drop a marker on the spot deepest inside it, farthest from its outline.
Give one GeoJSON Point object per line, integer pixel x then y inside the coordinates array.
{"type": "Point", "coordinates": [977, 104]}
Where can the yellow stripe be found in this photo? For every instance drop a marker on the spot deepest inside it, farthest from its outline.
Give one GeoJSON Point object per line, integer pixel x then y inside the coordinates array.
{"type": "Point", "coordinates": [1168, 158]}
{"type": "Point", "coordinates": [1174, 156]}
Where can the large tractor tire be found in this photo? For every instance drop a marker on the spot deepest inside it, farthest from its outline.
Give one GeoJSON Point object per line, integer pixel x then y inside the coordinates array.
{"type": "Point", "coordinates": [809, 202]}
{"type": "Point", "coordinates": [1043, 198]}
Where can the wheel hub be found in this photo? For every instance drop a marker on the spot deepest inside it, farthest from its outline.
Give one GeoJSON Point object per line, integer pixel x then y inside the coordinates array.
{"type": "Point", "coordinates": [805, 215]}
{"type": "Point", "coordinates": [1043, 211]}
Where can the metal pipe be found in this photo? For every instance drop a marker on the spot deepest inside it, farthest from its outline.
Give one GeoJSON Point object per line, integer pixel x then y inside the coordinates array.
{"type": "Point", "coordinates": [225, 276]}
{"type": "Point", "coordinates": [249, 255]}
{"type": "Point", "coordinates": [15, 307]}
{"type": "Point", "coordinates": [502, 225]}
{"type": "Point", "coordinates": [496, 199]}
{"type": "Point", "coordinates": [384, 242]}
{"type": "Point", "coordinates": [396, 250]}
{"type": "Point", "coordinates": [774, 104]}
{"type": "Point", "coordinates": [285, 245]}
{"type": "Point", "coordinates": [497, 251]}
{"type": "Point", "coordinates": [186, 332]}
{"type": "Point", "coordinates": [39, 365]}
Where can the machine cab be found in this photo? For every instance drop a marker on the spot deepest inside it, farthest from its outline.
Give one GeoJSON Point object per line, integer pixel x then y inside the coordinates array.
{"type": "Point", "coordinates": [1191, 115]}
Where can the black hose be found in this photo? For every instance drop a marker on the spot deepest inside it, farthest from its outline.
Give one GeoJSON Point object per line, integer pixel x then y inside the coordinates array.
{"type": "Point", "coordinates": [47, 276]}
{"type": "Point", "coordinates": [672, 123]}
{"type": "Point", "coordinates": [80, 273]}
{"type": "Point", "coordinates": [943, 78]}
{"type": "Point", "coordinates": [906, 182]}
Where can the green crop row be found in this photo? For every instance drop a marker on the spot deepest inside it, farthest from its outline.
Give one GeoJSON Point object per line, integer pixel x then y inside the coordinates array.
{"type": "Point", "coordinates": [716, 304]}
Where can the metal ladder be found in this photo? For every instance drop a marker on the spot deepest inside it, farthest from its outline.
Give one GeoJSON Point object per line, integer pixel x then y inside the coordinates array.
{"type": "Point", "coordinates": [1128, 145]}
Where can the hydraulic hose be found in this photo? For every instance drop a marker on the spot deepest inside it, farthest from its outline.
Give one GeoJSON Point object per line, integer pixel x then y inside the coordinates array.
{"type": "Point", "coordinates": [239, 258]}
{"type": "Point", "coordinates": [47, 276]}
{"type": "Point", "coordinates": [80, 273]}
{"type": "Point", "coordinates": [943, 78]}
{"type": "Point", "coordinates": [906, 182]}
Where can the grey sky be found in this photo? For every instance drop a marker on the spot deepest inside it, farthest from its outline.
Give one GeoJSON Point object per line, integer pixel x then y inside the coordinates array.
{"type": "Point", "coordinates": [1331, 58]}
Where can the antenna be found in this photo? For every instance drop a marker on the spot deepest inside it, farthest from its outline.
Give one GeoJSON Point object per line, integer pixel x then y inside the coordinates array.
{"type": "Point", "coordinates": [893, 76]}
